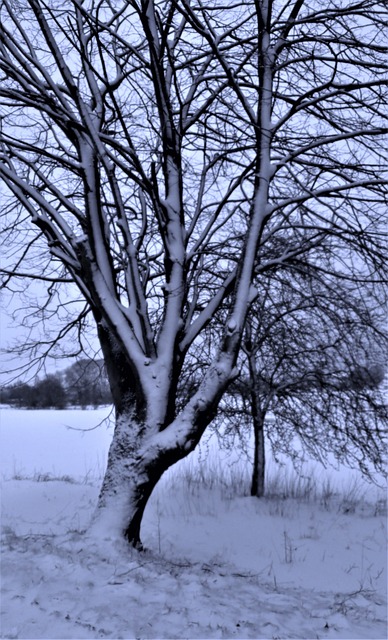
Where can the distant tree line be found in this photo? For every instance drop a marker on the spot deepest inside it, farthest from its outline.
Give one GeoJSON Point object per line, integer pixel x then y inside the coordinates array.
{"type": "Point", "coordinates": [82, 384]}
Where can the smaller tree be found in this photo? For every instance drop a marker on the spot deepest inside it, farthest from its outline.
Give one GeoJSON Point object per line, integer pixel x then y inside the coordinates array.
{"type": "Point", "coordinates": [311, 375]}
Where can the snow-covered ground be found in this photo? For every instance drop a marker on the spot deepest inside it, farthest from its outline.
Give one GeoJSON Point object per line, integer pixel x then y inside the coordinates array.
{"type": "Point", "coordinates": [217, 565]}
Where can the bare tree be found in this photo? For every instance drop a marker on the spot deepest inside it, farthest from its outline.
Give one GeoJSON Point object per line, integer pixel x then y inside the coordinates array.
{"type": "Point", "coordinates": [159, 149]}
{"type": "Point", "coordinates": [312, 364]}
{"type": "Point", "coordinates": [315, 358]}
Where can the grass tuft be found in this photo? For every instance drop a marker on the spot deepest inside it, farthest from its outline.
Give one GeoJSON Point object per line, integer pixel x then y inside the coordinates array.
{"type": "Point", "coordinates": [229, 481]}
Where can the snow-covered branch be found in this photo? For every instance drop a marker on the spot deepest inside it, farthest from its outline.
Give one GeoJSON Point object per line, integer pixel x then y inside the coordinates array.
{"type": "Point", "coordinates": [183, 163]}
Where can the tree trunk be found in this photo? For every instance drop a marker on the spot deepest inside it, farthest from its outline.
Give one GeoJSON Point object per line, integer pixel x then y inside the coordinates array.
{"type": "Point", "coordinates": [258, 473]}
{"type": "Point", "coordinates": [138, 457]}
{"type": "Point", "coordinates": [147, 440]}
{"type": "Point", "coordinates": [131, 475]}
{"type": "Point", "coordinates": [258, 413]}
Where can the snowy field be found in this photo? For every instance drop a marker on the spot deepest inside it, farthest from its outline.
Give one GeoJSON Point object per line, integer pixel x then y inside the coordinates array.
{"type": "Point", "coordinates": [307, 562]}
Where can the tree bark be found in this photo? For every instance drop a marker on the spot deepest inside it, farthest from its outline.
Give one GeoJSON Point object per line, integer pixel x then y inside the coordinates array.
{"type": "Point", "coordinates": [258, 413]}
{"type": "Point", "coordinates": [123, 492]}
{"type": "Point", "coordinates": [141, 451]}
{"type": "Point", "coordinates": [258, 472]}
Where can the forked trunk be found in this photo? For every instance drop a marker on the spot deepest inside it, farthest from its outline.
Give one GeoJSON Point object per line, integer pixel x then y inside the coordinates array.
{"type": "Point", "coordinates": [148, 439]}
{"type": "Point", "coordinates": [131, 475]}
{"type": "Point", "coordinates": [134, 467]}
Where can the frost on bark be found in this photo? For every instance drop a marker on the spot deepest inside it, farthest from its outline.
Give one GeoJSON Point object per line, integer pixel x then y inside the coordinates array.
{"type": "Point", "coordinates": [162, 157]}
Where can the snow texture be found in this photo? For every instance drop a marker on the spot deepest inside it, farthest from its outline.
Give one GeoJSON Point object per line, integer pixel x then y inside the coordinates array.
{"type": "Point", "coordinates": [217, 565]}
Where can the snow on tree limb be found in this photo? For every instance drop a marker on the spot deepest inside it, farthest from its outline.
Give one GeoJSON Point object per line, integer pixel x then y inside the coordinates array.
{"type": "Point", "coordinates": [174, 155]}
